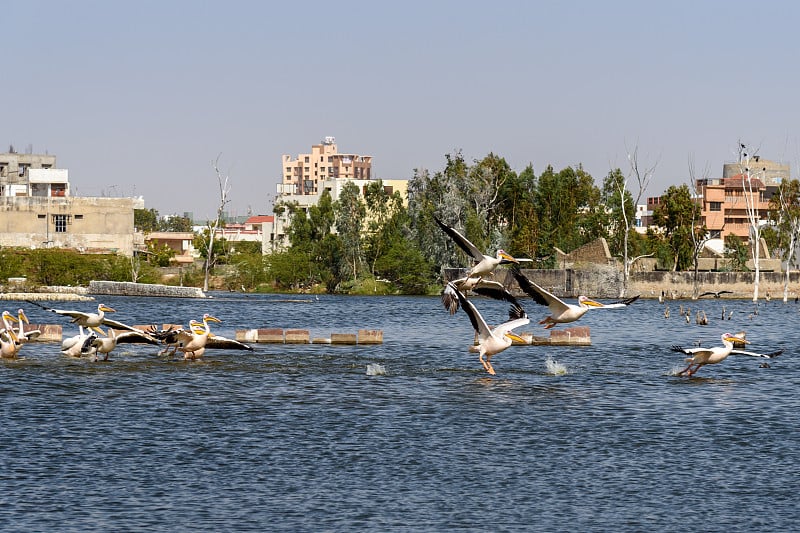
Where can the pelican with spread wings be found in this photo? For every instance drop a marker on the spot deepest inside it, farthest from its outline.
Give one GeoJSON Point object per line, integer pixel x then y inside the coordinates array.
{"type": "Point", "coordinates": [491, 341]}
{"type": "Point", "coordinates": [560, 311]}
{"type": "Point", "coordinates": [91, 321]}
{"type": "Point", "coordinates": [711, 356]}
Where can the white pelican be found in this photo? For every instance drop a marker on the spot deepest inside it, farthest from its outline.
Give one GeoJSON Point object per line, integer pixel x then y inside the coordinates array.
{"type": "Point", "coordinates": [490, 340]}
{"type": "Point", "coordinates": [175, 338]}
{"type": "Point", "coordinates": [483, 265]}
{"type": "Point", "coordinates": [199, 332]}
{"type": "Point", "coordinates": [22, 319]}
{"type": "Point", "coordinates": [93, 321]}
{"type": "Point", "coordinates": [711, 356]}
{"type": "Point", "coordinates": [562, 312]}
{"type": "Point", "coordinates": [72, 346]}
{"type": "Point", "coordinates": [483, 287]}
{"type": "Point", "coordinates": [105, 345]}
{"type": "Point", "coordinates": [9, 344]}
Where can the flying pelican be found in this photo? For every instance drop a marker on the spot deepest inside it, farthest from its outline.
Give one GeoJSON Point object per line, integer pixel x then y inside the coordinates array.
{"type": "Point", "coordinates": [562, 312]}
{"type": "Point", "coordinates": [483, 265]}
{"type": "Point", "coordinates": [710, 356]}
{"type": "Point", "coordinates": [491, 340]}
{"type": "Point", "coordinates": [104, 345]}
{"type": "Point", "coordinates": [483, 287]}
{"type": "Point", "coordinates": [715, 294]}
{"type": "Point", "coordinates": [92, 321]}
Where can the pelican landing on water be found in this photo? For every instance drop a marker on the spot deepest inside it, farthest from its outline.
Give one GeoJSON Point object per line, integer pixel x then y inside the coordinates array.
{"type": "Point", "coordinates": [711, 356]}
{"type": "Point", "coordinates": [491, 341]}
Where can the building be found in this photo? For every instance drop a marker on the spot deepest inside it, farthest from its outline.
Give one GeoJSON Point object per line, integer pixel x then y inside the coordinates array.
{"type": "Point", "coordinates": [304, 175]}
{"type": "Point", "coordinates": [37, 210]}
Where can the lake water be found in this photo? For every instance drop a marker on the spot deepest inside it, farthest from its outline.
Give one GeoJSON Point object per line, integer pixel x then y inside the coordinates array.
{"type": "Point", "coordinates": [410, 435]}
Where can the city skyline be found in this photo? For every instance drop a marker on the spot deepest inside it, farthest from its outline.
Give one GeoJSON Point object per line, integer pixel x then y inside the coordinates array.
{"type": "Point", "coordinates": [138, 100]}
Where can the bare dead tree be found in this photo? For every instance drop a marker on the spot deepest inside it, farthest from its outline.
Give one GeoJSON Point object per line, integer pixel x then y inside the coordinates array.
{"type": "Point", "coordinates": [224, 189]}
{"type": "Point", "coordinates": [643, 178]}
{"type": "Point", "coordinates": [751, 208]}
{"type": "Point", "coordinates": [699, 233]}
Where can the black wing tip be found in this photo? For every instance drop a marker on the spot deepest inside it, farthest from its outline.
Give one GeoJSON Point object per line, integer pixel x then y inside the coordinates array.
{"type": "Point", "coordinates": [676, 348]}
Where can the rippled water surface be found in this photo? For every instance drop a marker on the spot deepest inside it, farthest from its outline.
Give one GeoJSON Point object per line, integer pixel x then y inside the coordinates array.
{"type": "Point", "coordinates": [408, 435]}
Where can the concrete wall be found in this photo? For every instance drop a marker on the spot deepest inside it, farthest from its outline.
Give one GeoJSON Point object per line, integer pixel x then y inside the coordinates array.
{"type": "Point", "coordinates": [94, 224]}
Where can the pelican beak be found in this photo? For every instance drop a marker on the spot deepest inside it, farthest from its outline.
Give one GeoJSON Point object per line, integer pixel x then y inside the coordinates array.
{"type": "Point", "coordinates": [734, 338]}
{"type": "Point", "coordinates": [107, 309]}
{"type": "Point", "coordinates": [591, 303]}
{"type": "Point", "coordinates": [515, 337]}
{"type": "Point", "coordinates": [213, 319]}
{"type": "Point", "coordinates": [23, 316]}
{"type": "Point", "coordinates": [503, 255]}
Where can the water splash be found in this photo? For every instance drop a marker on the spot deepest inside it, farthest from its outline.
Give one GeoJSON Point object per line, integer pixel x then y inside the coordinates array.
{"type": "Point", "coordinates": [374, 369]}
{"type": "Point", "coordinates": [554, 367]}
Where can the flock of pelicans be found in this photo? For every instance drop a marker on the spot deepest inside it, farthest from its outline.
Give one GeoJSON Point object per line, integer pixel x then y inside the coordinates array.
{"type": "Point", "coordinates": [93, 342]}
{"type": "Point", "coordinates": [193, 341]}
{"type": "Point", "coordinates": [493, 340]}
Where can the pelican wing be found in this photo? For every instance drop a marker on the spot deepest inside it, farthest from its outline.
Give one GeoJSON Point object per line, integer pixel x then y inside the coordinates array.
{"type": "Point", "coordinates": [135, 337]}
{"type": "Point", "coordinates": [478, 323]}
{"type": "Point", "coordinates": [470, 249]}
{"type": "Point", "coordinates": [625, 302]}
{"type": "Point", "coordinates": [119, 325]}
{"type": "Point", "coordinates": [539, 295]}
{"type": "Point", "coordinates": [224, 343]}
{"type": "Point", "coordinates": [505, 327]}
{"type": "Point", "coordinates": [770, 355]}
{"type": "Point", "coordinates": [692, 351]}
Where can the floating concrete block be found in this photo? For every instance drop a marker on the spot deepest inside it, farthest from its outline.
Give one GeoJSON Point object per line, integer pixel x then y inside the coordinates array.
{"type": "Point", "coordinates": [247, 335]}
{"type": "Point", "coordinates": [320, 340]}
{"type": "Point", "coordinates": [297, 336]}
{"type": "Point", "coordinates": [343, 338]}
{"type": "Point", "coordinates": [49, 332]}
{"type": "Point", "coordinates": [577, 336]}
{"type": "Point", "coordinates": [370, 336]}
{"type": "Point", "coordinates": [270, 335]}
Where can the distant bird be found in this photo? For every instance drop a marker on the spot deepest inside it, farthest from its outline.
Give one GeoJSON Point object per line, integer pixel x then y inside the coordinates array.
{"type": "Point", "coordinates": [666, 312]}
{"type": "Point", "coordinates": [491, 341]}
{"type": "Point", "coordinates": [715, 294]}
{"type": "Point", "coordinates": [561, 312]}
{"type": "Point", "coordinates": [483, 265]}
{"type": "Point", "coordinates": [701, 318]}
{"type": "Point", "coordinates": [710, 356]}
{"type": "Point", "coordinates": [661, 297]}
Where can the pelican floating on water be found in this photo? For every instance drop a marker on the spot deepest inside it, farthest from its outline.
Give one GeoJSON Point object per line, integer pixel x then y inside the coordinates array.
{"type": "Point", "coordinates": [717, 354]}
{"type": "Point", "coordinates": [22, 319]}
{"type": "Point", "coordinates": [483, 265]}
{"type": "Point", "coordinates": [562, 312]}
{"type": "Point", "coordinates": [491, 341]}
{"type": "Point", "coordinates": [9, 342]}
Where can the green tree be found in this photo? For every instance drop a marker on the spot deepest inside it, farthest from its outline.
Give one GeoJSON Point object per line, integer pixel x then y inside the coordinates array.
{"type": "Point", "coordinates": [350, 215]}
{"type": "Point", "coordinates": [736, 252]}
{"type": "Point", "coordinates": [677, 214]}
{"type": "Point", "coordinates": [784, 215]}
{"type": "Point", "coordinates": [145, 220]}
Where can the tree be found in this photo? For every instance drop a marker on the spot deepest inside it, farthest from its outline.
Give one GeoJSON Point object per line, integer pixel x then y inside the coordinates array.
{"type": "Point", "coordinates": [752, 195]}
{"type": "Point", "coordinates": [700, 234]}
{"type": "Point", "coordinates": [350, 215]}
{"type": "Point", "coordinates": [736, 252]}
{"type": "Point", "coordinates": [145, 220]}
{"type": "Point", "coordinates": [676, 215]}
{"type": "Point", "coordinates": [785, 216]}
{"type": "Point", "coordinates": [224, 189]}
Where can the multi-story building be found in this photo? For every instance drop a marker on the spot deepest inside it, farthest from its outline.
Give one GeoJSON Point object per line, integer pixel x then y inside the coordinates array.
{"type": "Point", "coordinates": [304, 175]}
{"type": "Point", "coordinates": [37, 210]}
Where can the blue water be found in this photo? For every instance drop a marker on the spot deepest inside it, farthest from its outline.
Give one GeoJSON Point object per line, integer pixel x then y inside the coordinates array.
{"type": "Point", "coordinates": [410, 435]}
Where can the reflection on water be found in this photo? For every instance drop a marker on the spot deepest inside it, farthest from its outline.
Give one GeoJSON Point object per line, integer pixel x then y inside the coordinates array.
{"type": "Point", "coordinates": [409, 435]}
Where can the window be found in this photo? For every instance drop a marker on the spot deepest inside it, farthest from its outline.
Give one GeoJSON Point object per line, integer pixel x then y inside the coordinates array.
{"type": "Point", "coordinates": [60, 222]}
{"type": "Point", "coordinates": [41, 216]}
{"type": "Point", "coordinates": [715, 206]}
{"type": "Point", "coordinates": [78, 217]}
{"type": "Point", "coordinates": [715, 234]}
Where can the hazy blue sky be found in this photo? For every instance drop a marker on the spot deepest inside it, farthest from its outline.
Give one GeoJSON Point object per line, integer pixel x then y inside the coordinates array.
{"type": "Point", "coordinates": [137, 98]}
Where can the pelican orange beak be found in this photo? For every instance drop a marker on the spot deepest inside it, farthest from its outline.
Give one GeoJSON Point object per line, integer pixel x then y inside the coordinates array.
{"type": "Point", "coordinates": [23, 316]}
{"type": "Point", "coordinates": [503, 255]}
{"type": "Point", "coordinates": [734, 338]}
{"type": "Point", "coordinates": [210, 318]}
{"type": "Point", "coordinates": [107, 309]}
{"type": "Point", "coordinates": [591, 303]}
{"type": "Point", "coordinates": [514, 337]}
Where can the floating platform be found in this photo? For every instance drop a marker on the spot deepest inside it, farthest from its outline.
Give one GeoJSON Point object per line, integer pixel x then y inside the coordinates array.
{"type": "Point", "coordinates": [575, 336]}
{"type": "Point", "coordinates": [46, 296]}
{"type": "Point", "coordinates": [303, 336]}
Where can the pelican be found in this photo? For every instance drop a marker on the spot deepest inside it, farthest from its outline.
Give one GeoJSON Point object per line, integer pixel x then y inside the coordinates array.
{"type": "Point", "coordinates": [483, 265]}
{"type": "Point", "coordinates": [562, 312]}
{"type": "Point", "coordinates": [701, 318]}
{"type": "Point", "coordinates": [73, 346]}
{"type": "Point", "coordinates": [175, 338]}
{"type": "Point", "coordinates": [92, 321]}
{"type": "Point", "coordinates": [104, 345]}
{"type": "Point", "coordinates": [492, 289]}
{"type": "Point", "coordinates": [22, 319]}
{"type": "Point", "coordinates": [711, 356]}
{"type": "Point", "coordinates": [715, 294]}
{"type": "Point", "coordinates": [9, 344]}
{"type": "Point", "coordinates": [199, 333]}
{"type": "Point", "coordinates": [490, 340]}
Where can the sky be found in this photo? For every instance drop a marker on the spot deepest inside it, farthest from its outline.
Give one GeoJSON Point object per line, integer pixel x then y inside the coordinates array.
{"type": "Point", "coordinates": [139, 98]}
